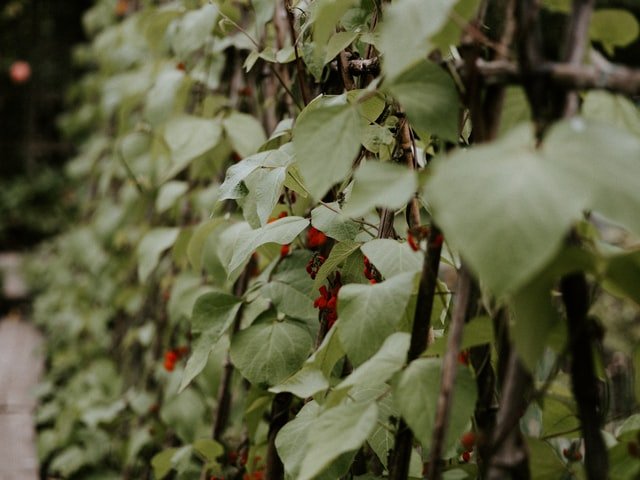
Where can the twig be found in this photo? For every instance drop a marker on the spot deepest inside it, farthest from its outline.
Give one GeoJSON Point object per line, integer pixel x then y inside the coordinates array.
{"type": "Point", "coordinates": [575, 295]}
{"type": "Point", "coordinates": [449, 372]}
{"type": "Point", "coordinates": [509, 456]}
{"type": "Point", "coordinates": [401, 454]}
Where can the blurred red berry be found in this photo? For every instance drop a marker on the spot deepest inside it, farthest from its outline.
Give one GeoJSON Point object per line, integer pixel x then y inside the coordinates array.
{"type": "Point", "coordinates": [468, 440]}
{"type": "Point", "coordinates": [20, 72]}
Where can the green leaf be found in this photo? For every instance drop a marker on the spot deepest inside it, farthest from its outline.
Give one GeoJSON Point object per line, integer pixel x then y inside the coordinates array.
{"type": "Point", "coordinates": [208, 448]}
{"type": "Point", "coordinates": [326, 141]}
{"type": "Point", "coordinates": [161, 462]}
{"type": "Point", "coordinates": [392, 258]}
{"type": "Point", "coordinates": [351, 423]}
{"type": "Point", "coordinates": [244, 132]}
{"type": "Point", "coordinates": [151, 247]}
{"type": "Point", "coordinates": [161, 99]}
{"type": "Point", "coordinates": [270, 349]}
{"type": "Point", "coordinates": [385, 362]}
{"type": "Point", "coordinates": [515, 109]}
{"type": "Point", "coordinates": [613, 28]}
{"type": "Point", "coordinates": [416, 395]}
{"type": "Point", "coordinates": [338, 42]}
{"type": "Point", "coordinates": [213, 314]}
{"type": "Point", "coordinates": [290, 289]}
{"type": "Point", "coordinates": [169, 194]}
{"type": "Point", "coordinates": [193, 29]}
{"type": "Point", "coordinates": [189, 137]}
{"type": "Point", "coordinates": [195, 249]}
{"type": "Point", "coordinates": [326, 15]}
{"type": "Point", "coordinates": [339, 253]}
{"type": "Point", "coordinates": [406, 30]}
{"type": "Point", "coordinates": [623, 274]}
{"type": "Point", "coordinates": [451, 33]}
{"type": "Point", "coordinates": [368, 314]}
{"type": "Point", "coordinates": [306, 382]}
{"type": "Point", "coordinates": [429, 97]}
{"type": "Point", "coordinates": [478, 331]}
{"type": "Point", "coordinates": [330, 220]}
{"type": "Point", "coordinates": [600, 164]}
{"type": "Point", "coordinates": [379, 184]}
{"type": "Point", "coordinates": [529, 210]}
{"type": "Point", "coordinates": [545, 462]}
{"type": "Point", "coordinates": [615, 110]}
{"type": "Point", "coordinates": [328, 353]}
{"type": "Point", "coordinates": [282, 231]}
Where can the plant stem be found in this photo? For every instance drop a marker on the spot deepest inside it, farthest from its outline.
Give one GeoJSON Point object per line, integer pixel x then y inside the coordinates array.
{"type": "Point", "coordinates": [401, 454]}
{"type": "Point", "coordinates": [449, 372]}
{"type": "Point", "coordinates": [279, 417]}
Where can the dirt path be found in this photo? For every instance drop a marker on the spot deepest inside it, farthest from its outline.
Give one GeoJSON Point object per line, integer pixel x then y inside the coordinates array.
{"type": "Point", "coordinates": [20, 369]}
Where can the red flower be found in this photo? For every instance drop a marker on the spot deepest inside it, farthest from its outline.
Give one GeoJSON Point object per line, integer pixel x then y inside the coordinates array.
{"type": "Point", "coordinates": [468, 440]}
{"type": "Point", "coordinates": [284, 250]}
{"type": "Point", "coordinates": [315, 238]}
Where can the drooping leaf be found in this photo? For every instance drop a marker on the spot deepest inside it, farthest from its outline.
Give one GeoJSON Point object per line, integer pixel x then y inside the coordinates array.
{"type": "Point", "coordinates": [613, 109]}
{"type": "Point", "coordinates": [330, 220]}
{"type": "Point", "coordinates": [339, 253]}
{"type": "Point", "coordinates": [193, 29]}
{"type": "Point", "coordinates": [509, 231]}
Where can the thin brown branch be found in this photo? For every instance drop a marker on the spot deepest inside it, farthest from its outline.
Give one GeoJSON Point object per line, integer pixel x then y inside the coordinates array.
{"type": "Point", "coordinates": [509, 457]}
{"type": "Point", "coordinates": [449, 372]}
{"type": "Point", "coordinates": [302, 82]}
{"type": "Point", "coordinates": [401, 454]}
{"type": "Point", "coordinates": [343, 68]}
{"type": "Point", "coordinates": [615, 78]}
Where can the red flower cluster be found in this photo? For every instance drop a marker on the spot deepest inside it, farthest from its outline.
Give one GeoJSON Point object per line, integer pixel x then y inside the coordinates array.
{"type": "Point", "coordinates": [315, 238]}
{"type": "Point", "coordinates": [314, 264]}
{"type": "Point", "coordinates": [284, 250]}
{"type": "Point", "coordinates": [255, 475]}
{"type": "Point", "coordinates": [327, 301]}
{"type": "Point", "coordinates": [572, 454]}
{"type": "Point", "coordinates": [372, 274]}
{"type": "Point", "coordinates": [171, 357]}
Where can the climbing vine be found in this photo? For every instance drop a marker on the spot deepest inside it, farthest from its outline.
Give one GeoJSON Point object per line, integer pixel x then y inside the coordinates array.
{"type": "Point", "coordinates": [347, 239]}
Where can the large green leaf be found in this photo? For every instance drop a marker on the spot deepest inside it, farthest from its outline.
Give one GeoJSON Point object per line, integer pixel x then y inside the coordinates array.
{"type": "Point", "coordinates": [151, 247]}
{"type": "Point", "coordinates": [623, 275]}
{"type": "Point", "coordinates": [429, 98]}
{"type": "Point", "coordinates": [405, 32]}
{"type": "Point", "coordinates": [503, 208]}
{"type": "Point", "coordinates": [351, 423]}
{"type": "Point", "coordinates": [417, 392]}
{"type": "Point", "coordinates": [162, 97]}
{"type": "Point", "coordinates": [379, 184]}
{"type": "Point", "coordinates": [368, 314]}
{"type": "Point", "coordinates": [213, 314]}
{"type": "Point", "coordinates": [339, 253]}
{"type": "Point", "coordinates": [326, 142]}
{"type": "Point", "coordinates": [270, 349]}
